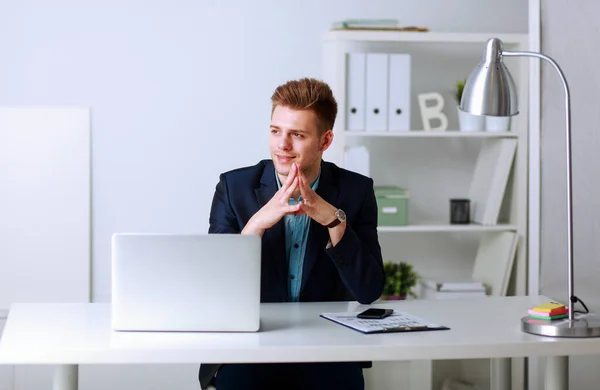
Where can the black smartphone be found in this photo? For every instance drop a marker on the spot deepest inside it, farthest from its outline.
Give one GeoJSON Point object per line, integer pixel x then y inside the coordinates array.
{"type": "Point", "coordinates": [375, 314]}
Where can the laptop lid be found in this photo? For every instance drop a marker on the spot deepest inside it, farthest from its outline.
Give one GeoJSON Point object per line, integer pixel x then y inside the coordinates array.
{"type": "Point", "coordinates": [194, 282]}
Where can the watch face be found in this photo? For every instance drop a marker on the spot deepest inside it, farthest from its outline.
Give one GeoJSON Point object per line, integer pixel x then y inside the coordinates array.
{"type": "Point", "coordinates": [341, 215]}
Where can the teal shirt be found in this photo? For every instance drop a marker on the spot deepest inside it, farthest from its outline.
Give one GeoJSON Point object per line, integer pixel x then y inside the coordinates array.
{"type": "Point", "coordinates": [296, 235]}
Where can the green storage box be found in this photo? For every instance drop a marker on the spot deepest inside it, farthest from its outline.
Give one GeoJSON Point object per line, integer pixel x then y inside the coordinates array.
{"type": "Point", "coordinates": [392, 205]}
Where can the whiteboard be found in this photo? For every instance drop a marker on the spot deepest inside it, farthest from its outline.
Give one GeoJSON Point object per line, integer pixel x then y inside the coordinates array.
{"type": "Point", "coordinates": [44, 205]}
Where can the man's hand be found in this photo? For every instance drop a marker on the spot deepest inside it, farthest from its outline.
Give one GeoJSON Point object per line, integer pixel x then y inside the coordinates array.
{"type": "Point", "coordinates": [315, 206]}
{"type": "Point", "coordinates": [277, 207]}
{"type": "Point", "coordinates": [319, 210]}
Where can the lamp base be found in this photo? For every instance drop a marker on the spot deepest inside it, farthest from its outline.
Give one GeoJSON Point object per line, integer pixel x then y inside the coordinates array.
{"type": "Point", "coordinates": [583, 325]}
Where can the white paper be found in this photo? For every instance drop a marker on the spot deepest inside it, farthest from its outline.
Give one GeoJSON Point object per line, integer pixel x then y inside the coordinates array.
{"type": "Point", "coordinates": [396, 321]}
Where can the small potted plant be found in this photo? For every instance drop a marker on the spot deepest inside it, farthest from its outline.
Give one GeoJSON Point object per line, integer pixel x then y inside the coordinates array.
{"type": "Point", "coordinates": [460, 86]}
{"type": "Point", "coordinates": [400, 278]}
{"type": "Point", "coordinates": [466, 121]}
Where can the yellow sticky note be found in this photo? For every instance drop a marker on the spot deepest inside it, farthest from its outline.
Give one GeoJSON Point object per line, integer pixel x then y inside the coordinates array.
{"type": "Point", "coordinates": [548, 307]}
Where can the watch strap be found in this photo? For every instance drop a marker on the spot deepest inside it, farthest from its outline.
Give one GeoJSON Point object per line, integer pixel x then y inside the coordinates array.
{"type": "Point", "coordinates": [334, 223]}
{"type": "Point", "coordinates": [340, 217]}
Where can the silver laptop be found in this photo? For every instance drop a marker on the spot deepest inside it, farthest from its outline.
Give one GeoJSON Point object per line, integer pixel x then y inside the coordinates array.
{"type": "Point", "coordinates": [171, 282]}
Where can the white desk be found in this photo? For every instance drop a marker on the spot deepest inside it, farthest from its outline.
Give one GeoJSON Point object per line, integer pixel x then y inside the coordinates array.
{"type": "Point", "coordinates": [71, 334]}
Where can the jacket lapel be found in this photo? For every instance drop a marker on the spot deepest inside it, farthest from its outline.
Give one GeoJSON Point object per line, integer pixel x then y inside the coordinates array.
{"type": "Point", "coordinates": [275, 236]}
{"type": "Point", "coordinates": [318, 235]}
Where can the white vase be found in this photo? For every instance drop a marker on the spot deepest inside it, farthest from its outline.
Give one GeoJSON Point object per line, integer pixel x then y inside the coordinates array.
{"type": "Point", "coordinates": [497, 123]}
{"type": "Point", "coordinates": [469, 122]}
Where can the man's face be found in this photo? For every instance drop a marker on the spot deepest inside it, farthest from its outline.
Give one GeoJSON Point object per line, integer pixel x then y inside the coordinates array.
{"type": "Point", "coordinates": [295, 139]}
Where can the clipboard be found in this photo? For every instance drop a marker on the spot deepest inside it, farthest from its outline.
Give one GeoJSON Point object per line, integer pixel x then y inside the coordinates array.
{"type": "Point", "coordinates": [397, 322]}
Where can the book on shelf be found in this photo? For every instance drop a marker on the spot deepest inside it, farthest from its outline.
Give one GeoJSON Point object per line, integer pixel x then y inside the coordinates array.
{"type": "Point", "coordinates": [490, 178]}
{"type": "Point", "coordinates": [491, 271]}
{"type": "Point", "coordinates": [365, 23]}
{"type": "Point", "coordinates": [427, 293]}
{"type": "Point", "coordinates": [452, 285]}
{"type": "Point", "coordinates": [494, 261]}
{"type": "Point", "coordinates": [375, 24]}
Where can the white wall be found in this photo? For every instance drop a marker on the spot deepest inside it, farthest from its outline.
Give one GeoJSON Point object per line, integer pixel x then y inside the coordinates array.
{"type": "Point", "coordinates": [568, 30]}
{"type": "Point", "coordinates": [180, 90]}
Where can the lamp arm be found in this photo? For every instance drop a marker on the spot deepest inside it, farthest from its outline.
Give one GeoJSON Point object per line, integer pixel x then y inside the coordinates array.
{"type": "Point", "coordinates": [572, 299]}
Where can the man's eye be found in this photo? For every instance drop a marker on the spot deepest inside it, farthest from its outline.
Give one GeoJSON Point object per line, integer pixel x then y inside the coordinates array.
{"type": "Point", "coordinates": [297, 135]}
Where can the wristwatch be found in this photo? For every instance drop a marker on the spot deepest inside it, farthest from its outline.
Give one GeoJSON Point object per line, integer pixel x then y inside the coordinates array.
{"type": "Point", "coordinates": [340, 217]}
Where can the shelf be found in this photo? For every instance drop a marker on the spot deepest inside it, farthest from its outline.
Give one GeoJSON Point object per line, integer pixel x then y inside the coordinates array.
{"type": "Point", "coordinates": [439, 164]}
{"type": "Point", "coordinates": [446, 227]}
{"type": "Point", "coordinates": [421, 37]}
{"type": "Point", "coordinates": [430, 134]}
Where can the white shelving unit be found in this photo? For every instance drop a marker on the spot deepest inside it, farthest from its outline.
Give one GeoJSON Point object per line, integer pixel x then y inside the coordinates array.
{"type": "Point", "coordinates": [435, 166]}
{"type": "Point", "coordinates": [420, 37]}
{"type": "Point", "coordinates": [446, 227]}
{"type": "Point", "coordinates": [429, 134]}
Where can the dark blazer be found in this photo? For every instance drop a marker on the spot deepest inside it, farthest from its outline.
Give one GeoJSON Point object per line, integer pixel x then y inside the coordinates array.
{"type": "Point", "coordinates": [351, 270]}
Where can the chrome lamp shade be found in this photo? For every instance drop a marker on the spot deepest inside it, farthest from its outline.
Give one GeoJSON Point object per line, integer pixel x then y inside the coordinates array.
{"type": "Point", "coordinates": [490, 90]}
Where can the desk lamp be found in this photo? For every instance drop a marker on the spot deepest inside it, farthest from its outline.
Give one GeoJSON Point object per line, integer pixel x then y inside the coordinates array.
{"type": "Point", "coordinates": [490, 90]}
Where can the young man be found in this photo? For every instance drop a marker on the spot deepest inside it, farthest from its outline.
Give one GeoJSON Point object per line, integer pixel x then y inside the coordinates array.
{"type": "Point", "coordinates": [318, 225]}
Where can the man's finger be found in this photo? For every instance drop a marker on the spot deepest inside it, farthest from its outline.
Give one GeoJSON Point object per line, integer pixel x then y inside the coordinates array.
{"type": "Point", "coordinates": [303, 188]}
{"type": "Point", "coordinates": [290, 190]}
{"type": "Point", "coordinates": [291, 176]}
{"type": "Point", "coordinates": [295, 209]}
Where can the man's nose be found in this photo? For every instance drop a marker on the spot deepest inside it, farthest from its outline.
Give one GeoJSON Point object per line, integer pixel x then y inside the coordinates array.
{"type": "Point", "coordinates": [285, 143]}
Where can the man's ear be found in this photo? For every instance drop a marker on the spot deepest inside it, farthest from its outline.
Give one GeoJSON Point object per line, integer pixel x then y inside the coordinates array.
{"type": "Point", "coordinates": [326, 140]}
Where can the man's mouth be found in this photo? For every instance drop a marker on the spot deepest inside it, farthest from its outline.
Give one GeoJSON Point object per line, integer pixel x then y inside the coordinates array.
{"type": "Point", "coordinates": [284, 159]}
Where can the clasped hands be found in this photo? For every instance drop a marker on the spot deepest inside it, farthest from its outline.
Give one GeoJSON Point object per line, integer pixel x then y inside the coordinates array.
{"type": "Point", "coordinates": [312, 204]}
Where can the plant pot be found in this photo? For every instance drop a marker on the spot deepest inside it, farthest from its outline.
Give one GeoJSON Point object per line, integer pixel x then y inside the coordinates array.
{"type": "Point", "coordinates": [469, 122]}
{"type": "Point", "coordinates": [497, 123]}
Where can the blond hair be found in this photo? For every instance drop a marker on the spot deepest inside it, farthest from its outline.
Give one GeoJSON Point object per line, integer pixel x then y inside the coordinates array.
{"type": "Point", "coordinates": [308, 94]}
